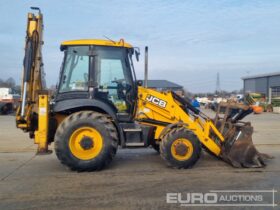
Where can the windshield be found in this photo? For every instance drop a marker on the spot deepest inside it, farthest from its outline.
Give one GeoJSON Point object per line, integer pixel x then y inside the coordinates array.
{"type": "Point", "coordinates": [75, 70]}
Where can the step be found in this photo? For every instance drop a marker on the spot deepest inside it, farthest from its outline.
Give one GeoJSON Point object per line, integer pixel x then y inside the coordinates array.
{"type": "Point", "coordinates": [132, 130]}
{"type": "Point", "coordinates": [134, 144]}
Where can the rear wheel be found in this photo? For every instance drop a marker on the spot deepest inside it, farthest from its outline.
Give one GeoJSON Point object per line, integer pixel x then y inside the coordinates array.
{"type": "Point", "coordinates": [180, 148]}
{"type": "Point", "coordinates": [86, 141]}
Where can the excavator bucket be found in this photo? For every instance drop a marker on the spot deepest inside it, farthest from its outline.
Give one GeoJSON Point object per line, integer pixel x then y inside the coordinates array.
{"type": "Point", "coordinates": [238, 148]}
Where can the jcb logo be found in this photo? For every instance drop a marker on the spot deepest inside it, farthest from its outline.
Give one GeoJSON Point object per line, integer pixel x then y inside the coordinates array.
{"type": "Point", "coordinates": [156, 101]}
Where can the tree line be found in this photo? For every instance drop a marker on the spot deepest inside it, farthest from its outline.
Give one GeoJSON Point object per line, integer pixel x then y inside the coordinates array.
{"type": "Point", "coordinates": [10, 83]}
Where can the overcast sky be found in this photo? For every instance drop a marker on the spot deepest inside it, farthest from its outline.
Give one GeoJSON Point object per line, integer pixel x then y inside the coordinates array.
{"type": "Point", "coordinates": [189, 41]}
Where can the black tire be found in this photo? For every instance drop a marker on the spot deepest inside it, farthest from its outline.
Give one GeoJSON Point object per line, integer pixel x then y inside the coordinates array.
{"type": "Point", "coordinates": [96, 120]}
{"type": "Point", "coordinates": [167, 141]}
{"type": "Point", "coordinates": [156, 147]}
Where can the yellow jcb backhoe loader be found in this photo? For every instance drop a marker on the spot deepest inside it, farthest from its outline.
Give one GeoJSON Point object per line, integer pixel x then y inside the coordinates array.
{"type": "Point", "coordinates": [99, 105]}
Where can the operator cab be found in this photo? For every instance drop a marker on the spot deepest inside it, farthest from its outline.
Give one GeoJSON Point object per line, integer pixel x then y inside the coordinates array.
{"type": "Point", "coordinates": [98, 70]}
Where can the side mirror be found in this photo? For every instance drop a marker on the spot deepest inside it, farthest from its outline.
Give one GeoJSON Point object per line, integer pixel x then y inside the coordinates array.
{"type": "Point", "coordinates": [139, 82]}
{"type": "Point", "coordinates": [137, 53]}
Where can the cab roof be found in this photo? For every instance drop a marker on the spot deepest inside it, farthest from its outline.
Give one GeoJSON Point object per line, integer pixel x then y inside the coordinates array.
{"type": "Point", "coordinates": [99, 42]}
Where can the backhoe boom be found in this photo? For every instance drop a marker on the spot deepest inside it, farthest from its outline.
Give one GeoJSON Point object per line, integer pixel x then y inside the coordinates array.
{"type": "Point", "coordinates": [33, 73]}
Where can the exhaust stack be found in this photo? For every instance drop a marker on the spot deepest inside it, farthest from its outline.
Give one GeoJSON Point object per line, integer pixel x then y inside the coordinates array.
{"type": "Point", "coordinates": [146, 68]}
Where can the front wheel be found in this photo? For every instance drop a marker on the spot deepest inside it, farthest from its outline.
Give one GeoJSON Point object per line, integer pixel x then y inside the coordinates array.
{"type": "Point", "coordinates": [86, 141]}
{"type": "Point", "coordinates": [180, 148]}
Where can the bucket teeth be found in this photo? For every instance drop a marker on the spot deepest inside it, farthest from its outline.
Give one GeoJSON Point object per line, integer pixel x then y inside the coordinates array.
{"type": "Point", "coordinates": [238, 148]}
{"type": "Point", "coordinates": [240, 151]}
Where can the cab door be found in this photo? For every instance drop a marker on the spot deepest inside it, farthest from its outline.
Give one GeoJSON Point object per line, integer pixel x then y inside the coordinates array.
{"type": "Point", "coordinates": [114, 78]}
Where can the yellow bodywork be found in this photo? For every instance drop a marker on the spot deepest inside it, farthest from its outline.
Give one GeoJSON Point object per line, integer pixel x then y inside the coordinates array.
{"type": "Point", "coordinates": [36, 101]}
{"type": "Point", "coordinates": [169, 112]}
{"type": "Point", "coordinates": [35, 82]}
{"type": "Point", "coordinates": [98, 42]}
{"type": "Point", "coordinates": [41, 135]}
{"type": "Point", "coordinates": [166, 109]}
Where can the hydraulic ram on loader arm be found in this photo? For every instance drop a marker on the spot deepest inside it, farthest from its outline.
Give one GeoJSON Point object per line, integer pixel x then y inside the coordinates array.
{"type": "Point", "coordinates": [171, 112]}
{"type": "Point", "coordinates": [32, 113]}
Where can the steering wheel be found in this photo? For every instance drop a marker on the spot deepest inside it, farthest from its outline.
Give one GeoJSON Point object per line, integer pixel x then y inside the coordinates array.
{"type": "Point", "coordinates": [122, 88]}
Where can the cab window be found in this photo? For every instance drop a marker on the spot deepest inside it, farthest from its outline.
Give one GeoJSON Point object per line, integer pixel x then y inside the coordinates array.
{"type": "Point", "coordinates": [113, 76]}
{"type": "Point", "coordinates": [75, 70]}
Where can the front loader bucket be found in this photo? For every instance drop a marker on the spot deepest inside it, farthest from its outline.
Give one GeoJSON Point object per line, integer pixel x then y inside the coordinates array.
{"type": "Point", "coordinates": [239, 150]}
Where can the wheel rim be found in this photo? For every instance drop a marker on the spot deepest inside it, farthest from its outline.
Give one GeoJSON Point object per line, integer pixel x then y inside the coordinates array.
{"type": "Point", "coordinates": [182, 149]}
{"type": "Point", "coordinates": [85, 143]}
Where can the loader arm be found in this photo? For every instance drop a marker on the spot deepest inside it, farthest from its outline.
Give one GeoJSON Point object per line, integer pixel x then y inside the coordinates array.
{"type": "Point", "coordinates": [226, 136]}
{"type": "Point", "coordinates": [161, 109]}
